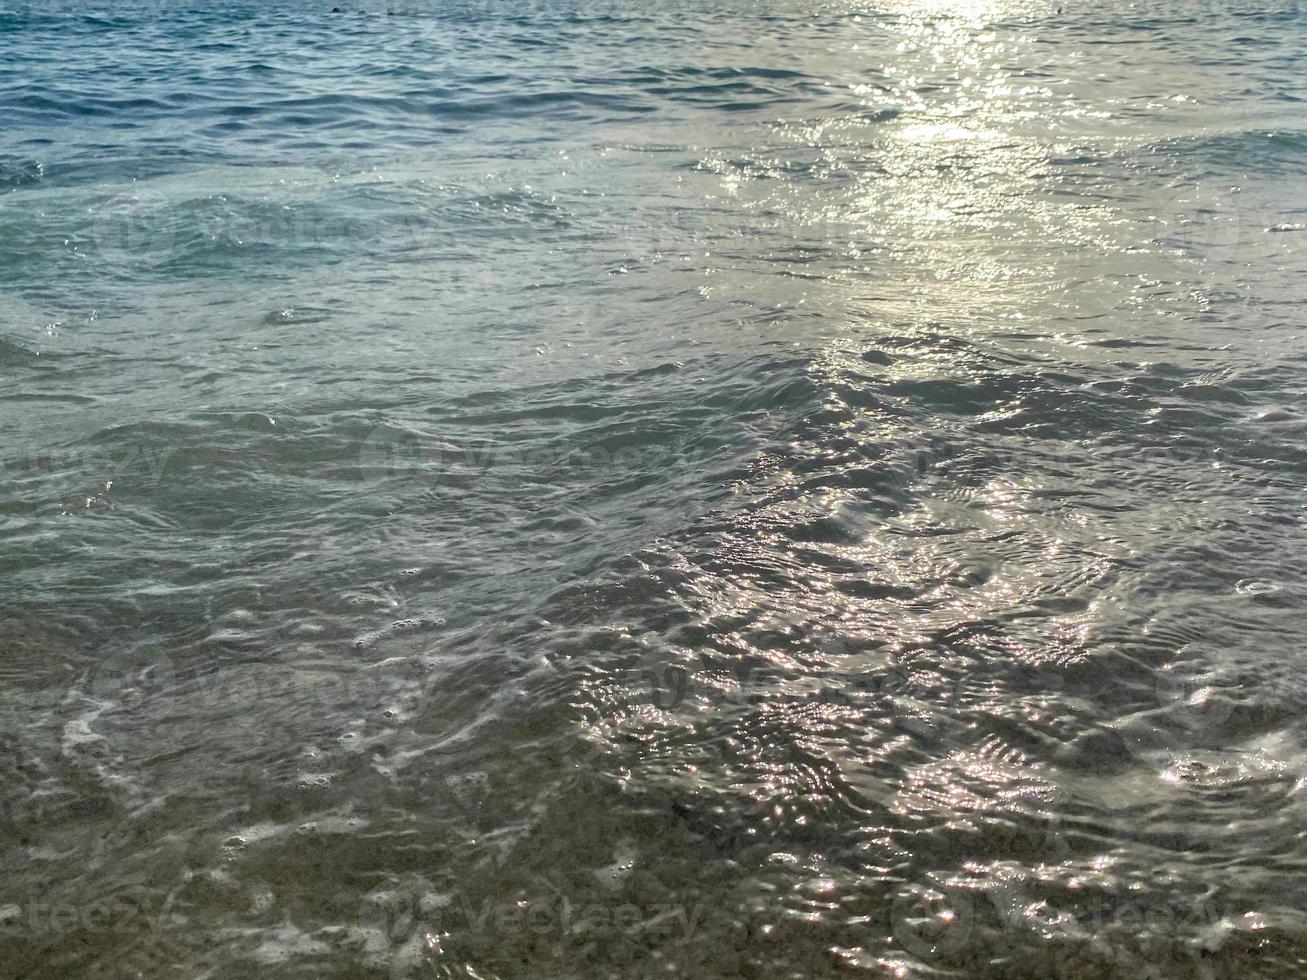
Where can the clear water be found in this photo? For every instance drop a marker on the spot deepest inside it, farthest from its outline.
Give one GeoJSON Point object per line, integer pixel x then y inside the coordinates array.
{"type": "Point", "coordinates": [719, 489]}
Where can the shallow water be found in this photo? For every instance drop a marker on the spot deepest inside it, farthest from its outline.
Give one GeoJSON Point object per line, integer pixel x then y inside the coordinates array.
{"type": "Point", "coordinates": [573, 489]}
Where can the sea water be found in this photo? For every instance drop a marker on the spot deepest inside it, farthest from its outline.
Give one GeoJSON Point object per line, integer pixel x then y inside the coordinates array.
{"type": "Point", "coordinates": [580, 488]}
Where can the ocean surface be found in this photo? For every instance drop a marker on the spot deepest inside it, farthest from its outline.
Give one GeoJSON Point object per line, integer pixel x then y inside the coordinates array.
{"type": "Point", "coordinates": [595, 489]}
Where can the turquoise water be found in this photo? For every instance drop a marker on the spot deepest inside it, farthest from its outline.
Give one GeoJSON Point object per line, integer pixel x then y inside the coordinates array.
{"type": "Point", "coordinates": [728, 489]}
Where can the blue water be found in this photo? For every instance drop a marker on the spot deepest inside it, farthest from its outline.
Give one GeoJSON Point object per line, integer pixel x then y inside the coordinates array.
{"type": "Point", "coordinates": [595, 489]}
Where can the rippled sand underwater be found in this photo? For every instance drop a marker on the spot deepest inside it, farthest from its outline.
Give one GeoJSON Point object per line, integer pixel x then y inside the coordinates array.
{"type": "Point", "coordinates": [594, 489]}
